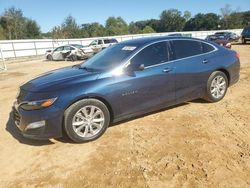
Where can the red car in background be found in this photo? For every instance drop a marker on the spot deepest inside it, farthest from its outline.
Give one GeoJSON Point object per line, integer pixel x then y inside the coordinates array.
{"type": "Point", "coordinates": [220, 39]}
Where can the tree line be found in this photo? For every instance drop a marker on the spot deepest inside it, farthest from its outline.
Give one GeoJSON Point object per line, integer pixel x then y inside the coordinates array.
{"type": "Point", "coordinates": [14, 25]}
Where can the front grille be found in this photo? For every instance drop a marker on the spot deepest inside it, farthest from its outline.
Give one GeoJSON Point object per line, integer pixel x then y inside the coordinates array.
{"type": "Point", "coordinates": [17, 117]}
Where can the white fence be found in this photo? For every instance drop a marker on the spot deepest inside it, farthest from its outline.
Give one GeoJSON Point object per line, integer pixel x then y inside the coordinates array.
{"type": "Point", "coordinates": [20, 48]}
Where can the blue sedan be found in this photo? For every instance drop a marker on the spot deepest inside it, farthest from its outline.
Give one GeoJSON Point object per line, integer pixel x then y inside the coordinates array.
{"type": "Point", "coordinates": [126, 80]}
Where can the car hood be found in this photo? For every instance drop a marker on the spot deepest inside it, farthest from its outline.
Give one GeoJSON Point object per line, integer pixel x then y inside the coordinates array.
{"type": "Point", "coordinates": [58, 79]}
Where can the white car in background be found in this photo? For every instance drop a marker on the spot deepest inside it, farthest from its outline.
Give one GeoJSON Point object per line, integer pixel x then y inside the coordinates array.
{"type": "Point", "coordinates": [69, 52]}
{"type": "Point", "coordinates": [100, 44]}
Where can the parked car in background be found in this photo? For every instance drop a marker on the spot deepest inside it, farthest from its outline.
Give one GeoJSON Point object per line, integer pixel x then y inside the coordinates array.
{"type": "Point", "coordinates": [245, 35]}
{"type": "Point", "coordinates": [175, 35]}
{"type": "Point", "coordinates": [128, 79]}
{"type": "Point", "coordinates": [222, 40]}
{"type": "Point", "coordinates": [69, 52]}
{"type": "Point", "coordinates": [233, 37]}
{"type": "Point", "coordinates": [100, 44]}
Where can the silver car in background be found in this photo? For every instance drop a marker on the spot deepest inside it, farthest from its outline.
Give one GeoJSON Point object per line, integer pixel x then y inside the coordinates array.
{"type": "Point", "coordinates": [100, 44]}
{"type": "Point", "coordinates": [69, 52]}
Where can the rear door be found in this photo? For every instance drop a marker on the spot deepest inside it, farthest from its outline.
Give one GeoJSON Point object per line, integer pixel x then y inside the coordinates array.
{"type": "Point", "coordinates": [192, 60]}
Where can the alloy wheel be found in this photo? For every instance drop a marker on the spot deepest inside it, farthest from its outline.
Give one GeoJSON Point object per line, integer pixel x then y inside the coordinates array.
{"type": "Point", "coordinates": [88, 121]}
{"type": "Point", "coordinates": [218, 87]}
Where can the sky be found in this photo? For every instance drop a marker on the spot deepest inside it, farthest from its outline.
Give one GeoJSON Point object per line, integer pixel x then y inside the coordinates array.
{"type": "Point", "coordinates": [50, 13]}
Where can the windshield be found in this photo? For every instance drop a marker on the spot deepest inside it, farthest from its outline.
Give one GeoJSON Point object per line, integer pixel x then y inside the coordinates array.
{"type": "Point", "coordinates": [109, 58]}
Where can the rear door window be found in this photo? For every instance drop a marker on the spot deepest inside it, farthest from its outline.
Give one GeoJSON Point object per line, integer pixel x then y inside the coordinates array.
{"type": "Point", "coordinates": [99, 41]}
{"type": "Point", "coordinates": [186, 48]}
{"type": "Point", "coordinates": [207, 48]}
{"type": "Point", "coordinates": [67, 48]}
{"type": "Point", "coordinates": [151, 55]}
{"type": "Point", "coordinates": [107, 41]}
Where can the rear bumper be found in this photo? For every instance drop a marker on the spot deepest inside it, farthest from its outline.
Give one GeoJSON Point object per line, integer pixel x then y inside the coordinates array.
{"type": "Point", "coordinates": [52, 118]}
{"type": "Point", "coordinates": [234, 73]}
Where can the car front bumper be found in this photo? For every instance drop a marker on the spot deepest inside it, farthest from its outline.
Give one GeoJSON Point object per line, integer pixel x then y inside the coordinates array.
{"type": "Point", "coordinates": [39, 124]}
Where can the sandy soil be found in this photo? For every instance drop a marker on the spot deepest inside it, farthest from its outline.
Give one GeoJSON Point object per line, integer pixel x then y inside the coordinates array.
{"type": "Point", "coordinates": [195, 144]}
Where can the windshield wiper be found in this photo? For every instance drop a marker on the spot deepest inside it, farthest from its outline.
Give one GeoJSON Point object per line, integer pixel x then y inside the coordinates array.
{"type": "Point", "coordinates": [77, 66]}
{"type": "Point", "coordinates": [87, 69]}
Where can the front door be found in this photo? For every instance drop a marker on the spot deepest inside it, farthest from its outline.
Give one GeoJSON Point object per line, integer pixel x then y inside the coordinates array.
{"type": "Point", "coordinates": [57, 53]}
{"type": "Point", "coordinates": [151, 88]}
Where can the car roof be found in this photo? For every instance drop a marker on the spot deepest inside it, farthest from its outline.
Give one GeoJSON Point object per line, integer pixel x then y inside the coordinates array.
{"type": "Point", "coordinates": [147, 40]}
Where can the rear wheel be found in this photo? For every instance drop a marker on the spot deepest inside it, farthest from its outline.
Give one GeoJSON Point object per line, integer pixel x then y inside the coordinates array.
{"type": "Point", "coordinates": [244, 41]}
{"type": "Point", "coordinates": [49, 58]}
{"type": "Point", "coordinates": [74, 58]}
{"type": "Point", "coordinates": [217, 85]}
{"type": "Point", "coordinates": [86, 120]}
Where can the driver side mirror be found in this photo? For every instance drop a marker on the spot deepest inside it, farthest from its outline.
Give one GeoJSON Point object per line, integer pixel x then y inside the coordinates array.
{"type": "Point", "coordinates": [134, 67]}
{"type": "Point", "coordinates": [141, 67]}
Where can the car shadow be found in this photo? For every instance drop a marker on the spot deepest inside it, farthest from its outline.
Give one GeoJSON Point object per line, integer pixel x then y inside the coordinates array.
{"type": "Point", "coordinates": [240, 44]}
{"type": "Point", "coordinates": [13, 130]}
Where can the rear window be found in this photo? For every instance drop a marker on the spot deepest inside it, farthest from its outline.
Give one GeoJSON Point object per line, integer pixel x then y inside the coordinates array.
{"type": "Point", "coordinates": [186, 48]}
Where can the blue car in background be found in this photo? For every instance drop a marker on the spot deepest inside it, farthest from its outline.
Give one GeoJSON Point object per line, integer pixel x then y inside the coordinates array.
{"type": "Point", "coordinates": [128, 79]}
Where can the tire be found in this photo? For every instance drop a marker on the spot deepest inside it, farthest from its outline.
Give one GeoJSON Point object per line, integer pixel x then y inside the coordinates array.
{"type": "Point", "coordinates": [74, 58]}
{"type": "Point", "coordinates": [217, 85]}
{"type": "Point", "coordinates": [244, 41]}
{"type": "Point", "coordinates": [80, 126]}
{"type": "Point", "coordinates": [49, 58]}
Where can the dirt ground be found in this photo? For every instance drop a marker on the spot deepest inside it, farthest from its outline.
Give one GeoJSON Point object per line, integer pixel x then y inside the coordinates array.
{"type": "Point", "coordinates": [195, 144]}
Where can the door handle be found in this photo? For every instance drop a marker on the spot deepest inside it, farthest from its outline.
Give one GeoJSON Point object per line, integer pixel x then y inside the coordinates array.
{"type": "Point", "coordinates": [205, 61]}
{"type": "Point", "coordinates": [166, 70]}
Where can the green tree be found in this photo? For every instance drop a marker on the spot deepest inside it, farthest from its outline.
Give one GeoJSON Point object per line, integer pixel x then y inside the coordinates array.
{"type": "Point", "coordinates": [209, 21]}
{"type": "Point", "coordinates": [32, 29]}
{"type": "Point", "coordinates": [69, 27]}
{"type": "Point", "coordinates": [133, 28]}
{"type": "Point", "coordinates": [2, 35]}
{"type": "Point", "coordinates": [226, 12]}
{"type": "Point", "coordinates": [172, 20]}
{"type": "Point", "coordinates": [187, 15]}
{"type": "Point", "coordinates": [148, 29]}
{"type": "Point", "coordinates": [116, 26]}
{"type": "Point", "coordinates": [92, 30]}
{"type": "Point", "coordinates": [13, 23]}
{"type": "Point", "coordinates": [234, 21]}
{"type": "Point", "coordinates": [57, 33]}
{"type": "Point", "coordinates": [246, 18]}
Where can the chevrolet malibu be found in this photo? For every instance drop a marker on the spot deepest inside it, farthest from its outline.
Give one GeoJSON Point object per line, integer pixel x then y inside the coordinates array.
{"type": "Point", "coordinates": [126, 80]}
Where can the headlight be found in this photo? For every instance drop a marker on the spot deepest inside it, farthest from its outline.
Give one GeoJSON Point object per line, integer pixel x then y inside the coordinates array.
{"type": "Point", "coordinates": [18, 93]}
{"type": "Point", "coordinates": [36, 105]}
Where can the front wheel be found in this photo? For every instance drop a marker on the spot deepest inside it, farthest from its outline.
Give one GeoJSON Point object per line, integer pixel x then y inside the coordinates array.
{"type": "Point", "coordinates": [217, 85]}
{"type": "Point", "coordinates": [86, 120]}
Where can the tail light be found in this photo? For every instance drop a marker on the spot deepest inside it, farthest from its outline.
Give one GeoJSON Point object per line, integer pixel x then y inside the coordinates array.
{"type": "Point", "coordinates": [228, 45]}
